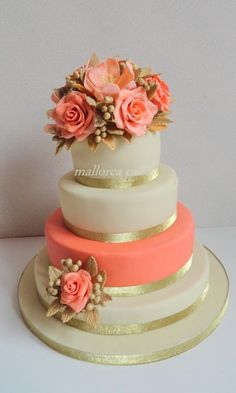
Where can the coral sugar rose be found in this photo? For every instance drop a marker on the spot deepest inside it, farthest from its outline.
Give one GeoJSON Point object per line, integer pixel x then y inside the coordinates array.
{"type": "Point", "coordinates": [162, 95]}
{"type": "Point", "coordinates": [133, 111]}
{"type": "Point", "coordinates": [76, 287]}
{"type": "Point", "coordinates": [74, 116]}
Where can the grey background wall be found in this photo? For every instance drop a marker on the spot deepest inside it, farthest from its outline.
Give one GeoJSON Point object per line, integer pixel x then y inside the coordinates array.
{"type": "Point", "coordinates": [191, 42]}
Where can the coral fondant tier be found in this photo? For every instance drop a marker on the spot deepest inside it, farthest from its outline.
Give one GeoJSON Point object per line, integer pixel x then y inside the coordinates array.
{"type": "Point", "coordinates": [129, 159]}
{"type": "Point", "coordinates": [126, 264]}
{"type": "Point", "coordinates": [118, 210]}
{"type": "Point", "coordinates": [168, 304]}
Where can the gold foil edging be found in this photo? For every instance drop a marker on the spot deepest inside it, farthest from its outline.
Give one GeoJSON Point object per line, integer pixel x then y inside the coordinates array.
{"type": "Point", "coordinates": [136, 327]}
{"type": "Point", "coordinates": [121, 237]}
{"type": "Point", "coordinates": [135, 290]}
{"type": "Point", "coordinates": [117, 182]}
{"type": "Point", "coordinates": [121, 360]}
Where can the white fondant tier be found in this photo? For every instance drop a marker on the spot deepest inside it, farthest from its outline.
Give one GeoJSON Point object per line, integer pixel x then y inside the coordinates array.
{"type": "Point", "coordinates": [129, 159]}
{"type": "Point", "coordinates": [119, 210]}
{"type": "Point", "coordinates": [147, 307]}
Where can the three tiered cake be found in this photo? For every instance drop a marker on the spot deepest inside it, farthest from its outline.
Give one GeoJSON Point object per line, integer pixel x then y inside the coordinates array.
{"type": "Point", "coordinates": [121, 279]}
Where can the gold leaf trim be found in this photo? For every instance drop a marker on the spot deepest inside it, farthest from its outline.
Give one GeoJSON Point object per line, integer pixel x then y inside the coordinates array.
{"type": "Point", "coordinates": [121, 237]}
{"type": "Point", "coordinates": [91, 324]}
{"type": "Point", "coordinates": [118, 182]}
{"type": "Point", "coordinates": [124, 359]}
{"type": "Point", "coordinates": [135, 290]}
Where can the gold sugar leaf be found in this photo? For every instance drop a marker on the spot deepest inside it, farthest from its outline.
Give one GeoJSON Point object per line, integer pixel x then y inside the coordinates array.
{"type": "Point", "coordinates": [82, 73]}
{"type": "Point", "coordinates": [60, 146]}
{"type": "Point", "coordinates": [152, 92]}
{"type": "Point", "coordinates": [52, 129]}
{"type": "Point", "coordinates": [69, 81]}
{"type": "Point", "coordinates": [157, 126]}
{"type": "Point", "coordinates": [106, 297]}
{"type": "Point", "coordinates": [110, 141]}
{"type": "Point", "coordinates": [54, 273]}
{"type": "Point", "coordinates": [67, 314]}
{"type": "Point", "coordinates": [49, 113]}
{"type": "Point", "coordinates": [61, 91]}
{"type": "Point", "coordinates": [93, 60]}
{"type": "Point", "coordinates": [91, 101]}
{"type": "Point", "coordinates": [91, 142]}
{"type": "Point", "coordinates": [99, 121]}
{"type": "Point", "coordinates": [54, 308]}
{"type": "Point", "coordinates": [92, 318]}
{"type": "Point", "coordinates": [127, 137]}
{"type": "Point", "coordinates": [78, 86]}
{"type": "Point", "coordinates": [115, 132]}
{"type": "Point", "coordinates": [159, 122]}
{"type": "Point", "coordinates": [104, 276]}
{"type": "Point", "coordinates": [69, 142]}
{"type": "Point", "coordinates": [91, 266]}
{"type": "Point", "coordinates": [142, 72]}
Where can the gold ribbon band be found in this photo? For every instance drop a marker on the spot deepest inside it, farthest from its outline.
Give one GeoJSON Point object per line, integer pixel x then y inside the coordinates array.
{"type": "Point", "coordinates": [117, 182]}
{"type": "Point", "coordinates": [119, 360]}
{"type": "Point", "coordinates": [135, 328]}
{"type": "Point", "coordinates": [121, 237]}
{"type": "Point", "coordinates": [135, 290]}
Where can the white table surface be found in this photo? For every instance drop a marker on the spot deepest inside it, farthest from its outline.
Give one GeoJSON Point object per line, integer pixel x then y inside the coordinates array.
{"type": "Point", "coordinates": [28, 366]}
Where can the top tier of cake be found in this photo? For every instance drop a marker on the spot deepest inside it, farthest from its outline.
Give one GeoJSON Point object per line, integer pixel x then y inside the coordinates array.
{"type": "Point", "coordinates": [110, 113]}
{"type": "Point", "coordinates": [138, 158]}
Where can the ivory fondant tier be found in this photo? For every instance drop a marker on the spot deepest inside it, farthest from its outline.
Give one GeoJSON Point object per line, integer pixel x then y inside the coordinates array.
{"type": "Point", "coordinates": [153, 345]}
{"type": "Point", "coordinates": [126, 264]}
{"type": "Point", "coordinates": [122, 314]}
{"type": "Point", "coordinates": [129, 159]}
{"type": "Point", "coordinates": [118, 210]}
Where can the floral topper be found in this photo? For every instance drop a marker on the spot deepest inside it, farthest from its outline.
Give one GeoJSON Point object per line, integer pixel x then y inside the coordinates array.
{"type": "Point", "coordinates": [77, 290]}
{"type": "Point", "coordinates": [103, 101]}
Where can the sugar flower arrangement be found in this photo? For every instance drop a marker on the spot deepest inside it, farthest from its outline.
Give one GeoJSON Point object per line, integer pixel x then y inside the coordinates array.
{"type": "Point", "coordinates": [77, 289]}
{"type": "Point", "coordinates": [103, 101]}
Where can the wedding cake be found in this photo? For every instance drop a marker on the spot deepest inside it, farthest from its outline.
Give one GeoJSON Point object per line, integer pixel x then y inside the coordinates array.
{"type": "Point", "coordinates": [121, 278]}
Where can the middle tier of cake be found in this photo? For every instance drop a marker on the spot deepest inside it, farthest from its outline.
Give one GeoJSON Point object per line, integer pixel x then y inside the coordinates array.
{"type": "Point", "coordinates": [92, 212]}
{"type": "Point", "coordinates": [136, 263]}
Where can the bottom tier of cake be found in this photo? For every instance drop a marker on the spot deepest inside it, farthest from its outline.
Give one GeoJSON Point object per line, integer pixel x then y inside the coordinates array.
{"type": "Point", "coordinates": [165, 322]}
{"type": "Point", "coordinates": [134, 314]}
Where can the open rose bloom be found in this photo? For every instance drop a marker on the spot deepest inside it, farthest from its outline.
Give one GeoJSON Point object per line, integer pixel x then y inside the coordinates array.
{"type": "Point", "coordinates": [76, 288]}
{"type": "Point", "coordinates": [101, 98]}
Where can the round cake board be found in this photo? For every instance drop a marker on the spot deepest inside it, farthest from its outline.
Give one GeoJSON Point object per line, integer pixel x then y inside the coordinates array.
{"type": "Point", "coordinates": [132, 349]}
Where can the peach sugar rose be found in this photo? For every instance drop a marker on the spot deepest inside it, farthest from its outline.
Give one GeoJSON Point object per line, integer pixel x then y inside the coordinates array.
{"type": "Point", "coordinates": [106, 78]}
{"type": "Point", "coordinates": [133, 111]}
{"type": "Point", "coordinates": [162, 95]}
{"type": "Point", "coordinates": [76, 287]}
{"type": "Point", "coordinates": [73, 116]}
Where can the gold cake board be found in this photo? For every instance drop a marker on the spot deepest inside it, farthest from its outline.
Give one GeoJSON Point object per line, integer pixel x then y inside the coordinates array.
{"type": "Point", "coordinates": [132, 349]}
